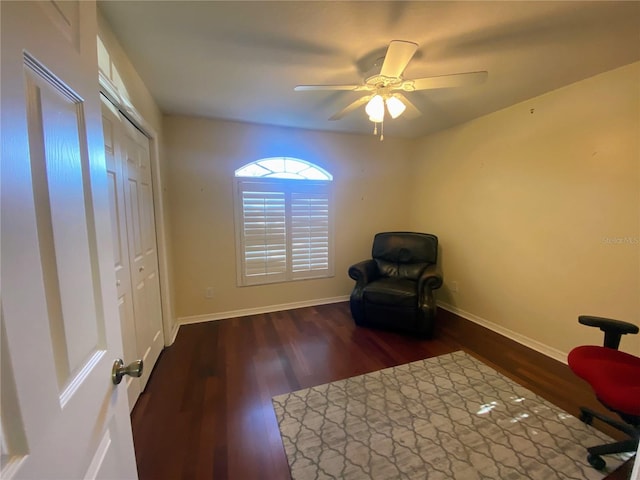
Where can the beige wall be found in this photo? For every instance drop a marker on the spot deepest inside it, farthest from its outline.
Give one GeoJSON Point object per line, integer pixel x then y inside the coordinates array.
{"type": "Point", "coordinates": [537, 207]}
{"type": "Point", "coordinates": [147, 108]}
{"type": "Point", "coordinates": [370, 195]}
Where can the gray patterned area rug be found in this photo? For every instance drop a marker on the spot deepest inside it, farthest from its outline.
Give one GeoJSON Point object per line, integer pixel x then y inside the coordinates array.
{"type": "Point", "coordinates": [448, 417]}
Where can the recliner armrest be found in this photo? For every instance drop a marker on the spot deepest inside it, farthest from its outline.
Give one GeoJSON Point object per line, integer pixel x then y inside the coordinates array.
{"type": "Point", "coordinates": [613, 329]}
{"type": "Point", "coordinates": [364, 272]}
{"type": "Point", "coordinates": [430, 277]}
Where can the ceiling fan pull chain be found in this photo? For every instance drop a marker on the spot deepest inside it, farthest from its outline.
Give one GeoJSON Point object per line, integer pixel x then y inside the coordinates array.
{"type": "Point", "coordinates": [382, 130]}
{"type": "Point", "coordinates": [375, 128]}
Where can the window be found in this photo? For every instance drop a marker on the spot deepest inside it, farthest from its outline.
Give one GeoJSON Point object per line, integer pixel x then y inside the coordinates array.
{"type": "Point", "coordinates": [283, 221]}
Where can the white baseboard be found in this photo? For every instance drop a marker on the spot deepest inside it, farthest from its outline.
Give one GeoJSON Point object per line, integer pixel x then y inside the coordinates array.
{"type": "Point", "coordinates": [174, 333]}
{"type": "Point", "coordinates": [516, 337]}
{"type": "Point", "coordinates": [259, 310]}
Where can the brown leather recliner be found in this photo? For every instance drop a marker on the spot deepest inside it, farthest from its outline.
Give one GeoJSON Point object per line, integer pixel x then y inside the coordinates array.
{"type": "Point", "coordinates": [395, 288]}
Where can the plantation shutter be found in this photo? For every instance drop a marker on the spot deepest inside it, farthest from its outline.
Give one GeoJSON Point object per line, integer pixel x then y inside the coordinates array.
{"type": "Point", "coordinates": [264, 240]}
{"type": "Point", "coordinates": [283, 231]}
{"type": "Point", "coordinates": [309, 234]}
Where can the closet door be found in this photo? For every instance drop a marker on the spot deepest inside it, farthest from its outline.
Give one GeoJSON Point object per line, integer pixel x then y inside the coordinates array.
{"type": "Point", "coordinates": [113, 154]}
{"type": "Point", "coordinates": [143, 252]}
{"type": "Point", "coordinates": [134, 239]}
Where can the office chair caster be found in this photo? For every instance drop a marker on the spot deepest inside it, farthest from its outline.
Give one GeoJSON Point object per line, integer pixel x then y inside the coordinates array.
{"type": "Point", "coordinates": [596, 461]}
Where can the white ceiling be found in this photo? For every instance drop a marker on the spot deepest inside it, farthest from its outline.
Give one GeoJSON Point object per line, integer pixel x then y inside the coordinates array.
{"type": "Point", "coordinates": [240, 60]}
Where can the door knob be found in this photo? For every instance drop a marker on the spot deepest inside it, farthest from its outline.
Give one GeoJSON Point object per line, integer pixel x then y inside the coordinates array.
{"type": "Point", "coordinates": [119, 370]}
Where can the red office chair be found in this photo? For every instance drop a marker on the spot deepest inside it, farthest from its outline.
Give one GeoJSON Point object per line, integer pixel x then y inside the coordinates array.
{"type": "Point", "coordinates": [614, 377]}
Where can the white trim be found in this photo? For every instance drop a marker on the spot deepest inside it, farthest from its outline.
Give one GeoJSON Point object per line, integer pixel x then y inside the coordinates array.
{"type": "Point", "coordinates": [161, 236]}
{"type": "Point", "coordinates": [505, 332]}
{"type": "Point", "coordinates": [259, 310]}
{"type": "Point", "coordinates": [174, 333]}
{"type": "Point", "coordinates": [523, 340]}
{"type": "Point", "coordinates": [110, 90]}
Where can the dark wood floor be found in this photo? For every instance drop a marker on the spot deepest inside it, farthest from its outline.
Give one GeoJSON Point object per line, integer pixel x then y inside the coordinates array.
{"type": "Point", "coordinates": [206, 412]}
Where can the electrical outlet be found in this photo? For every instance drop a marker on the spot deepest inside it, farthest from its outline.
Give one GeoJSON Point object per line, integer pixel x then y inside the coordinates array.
{"type": "Point", "coordinates": [208, 293]}
{"type": "Point", "coordinates": [453, 286]}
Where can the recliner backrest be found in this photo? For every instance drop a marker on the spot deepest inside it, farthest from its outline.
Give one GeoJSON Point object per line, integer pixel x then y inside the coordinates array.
{"type": "Point", "coordinates": [404, 254]}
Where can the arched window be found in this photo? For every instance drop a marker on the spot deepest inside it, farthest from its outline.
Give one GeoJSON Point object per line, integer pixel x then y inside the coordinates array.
{"type": "Point", "coordinates": [283, 167]}
{"type": "Point", "coordinates": [283, 221]}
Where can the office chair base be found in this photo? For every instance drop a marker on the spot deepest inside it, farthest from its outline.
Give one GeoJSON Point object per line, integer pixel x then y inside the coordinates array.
{"type": "Point", "coordinates": [631, 445]}
{"type": "Point", "coordinates": [587, 415]}
{"type": "Point", "coordinates": [594, 457]}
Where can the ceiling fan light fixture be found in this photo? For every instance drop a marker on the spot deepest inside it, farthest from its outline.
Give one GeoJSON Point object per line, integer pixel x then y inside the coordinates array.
{"type": "Point", "coordinates": [375, 109]}
{"type": "Point", "coordinates": [395, 107]}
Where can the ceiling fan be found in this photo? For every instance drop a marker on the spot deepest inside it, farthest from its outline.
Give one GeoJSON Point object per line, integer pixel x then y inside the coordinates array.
{"type": "Point", "coordinates": [383, 92]}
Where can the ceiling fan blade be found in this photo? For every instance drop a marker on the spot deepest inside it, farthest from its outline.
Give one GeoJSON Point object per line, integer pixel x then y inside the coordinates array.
{"type": "Point", "coordinates": [307, 88]}
{"type": "Point", "coordinates": [445, 81]}
{"type": "Point", "coordinates": [398, 55]}
{"type": "Point", "coordinates": [351, 107]}
{"type": "Point", "coordinates": [412, 111]}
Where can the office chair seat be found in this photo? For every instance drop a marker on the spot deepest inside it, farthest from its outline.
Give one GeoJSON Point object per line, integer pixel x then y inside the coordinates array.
{"type": "Point", "coordinates": [613, 375]}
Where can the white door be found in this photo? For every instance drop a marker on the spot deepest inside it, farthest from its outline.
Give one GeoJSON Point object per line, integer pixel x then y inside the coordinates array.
{"type": "Point", "coordinates": [62, 417]}
{"type": "Point", "coordinates": [114, 155]}
{"type": "Point", "coordinates": [143, 253]}
{"type": "Point", "coordinates": [134, 239]}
